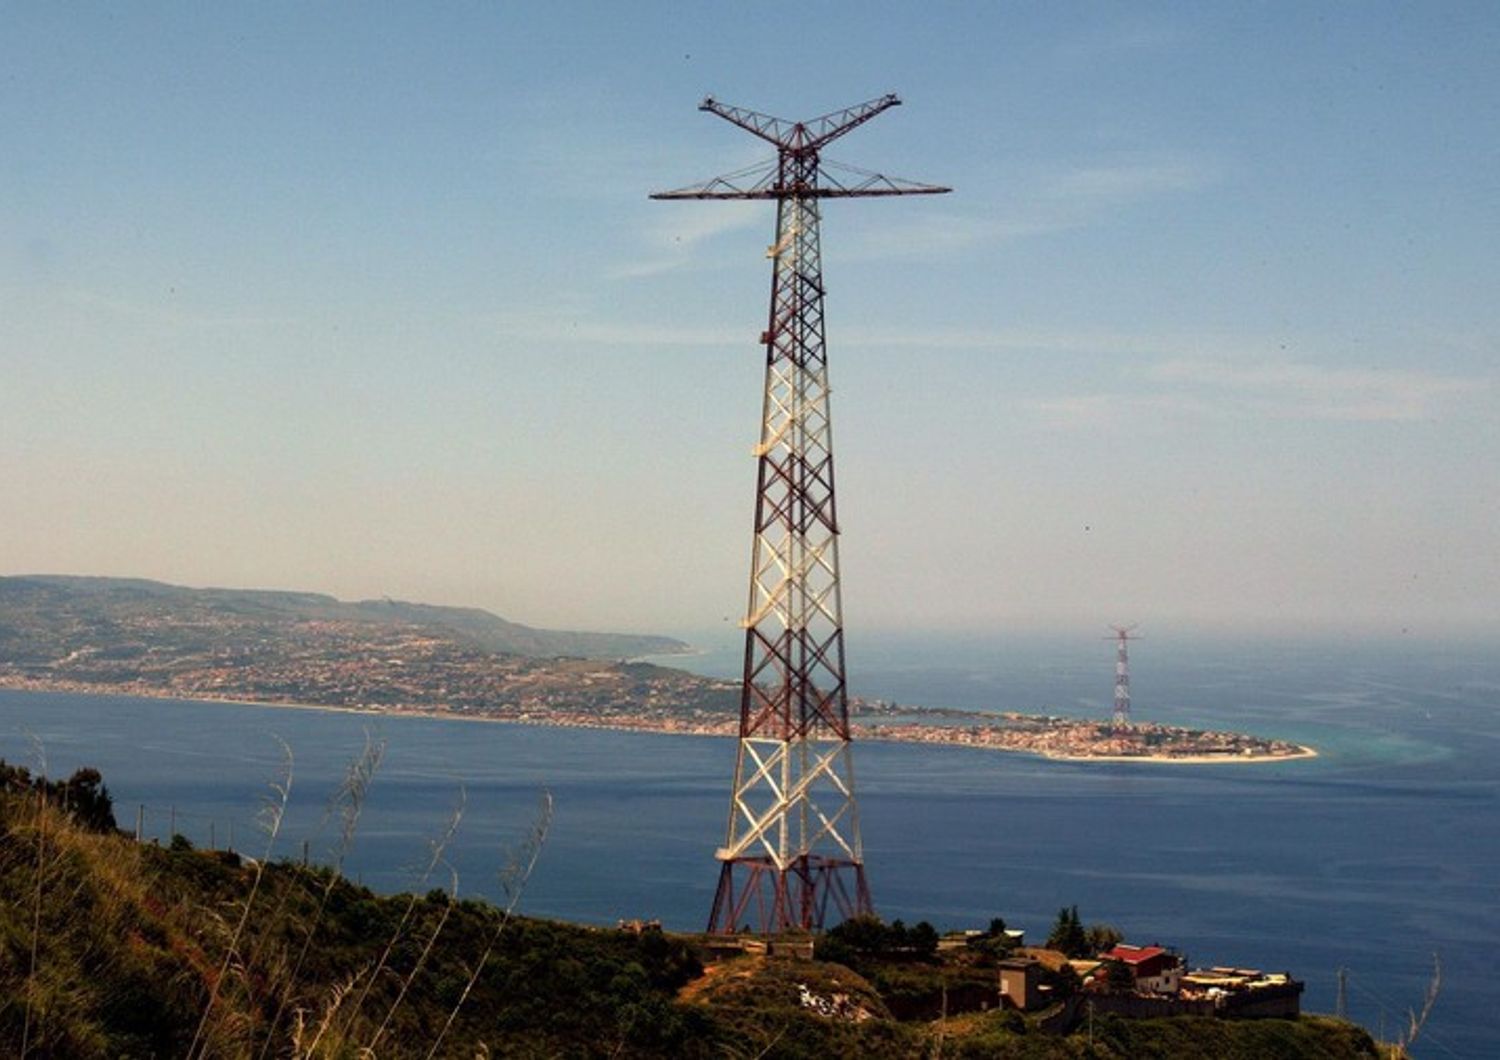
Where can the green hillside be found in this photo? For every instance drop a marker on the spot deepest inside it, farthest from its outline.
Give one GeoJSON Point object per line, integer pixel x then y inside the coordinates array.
{"type": "Point", "coordinates": [110, 949]}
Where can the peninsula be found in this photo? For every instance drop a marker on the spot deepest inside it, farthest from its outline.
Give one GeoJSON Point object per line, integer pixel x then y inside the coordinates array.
{"type": "Point", "coordinates": [139, 638]}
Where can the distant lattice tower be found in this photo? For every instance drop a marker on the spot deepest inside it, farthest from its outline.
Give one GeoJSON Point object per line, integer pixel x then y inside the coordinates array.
{"type": "Point", "coordinates": [1122, 638]}
{"type": "Point", "coordinates": [793, 843]}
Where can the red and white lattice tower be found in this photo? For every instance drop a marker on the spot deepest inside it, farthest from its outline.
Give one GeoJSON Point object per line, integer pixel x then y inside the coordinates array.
{"type": "Point", "coordinates": [793, 845]}
{"type": "Point", "coordinates": [1122, 638]}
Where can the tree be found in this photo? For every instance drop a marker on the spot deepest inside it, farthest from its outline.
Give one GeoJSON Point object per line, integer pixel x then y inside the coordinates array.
{"type": "Point", "coordinates": [993, 943]}
{"type": "Point", "coordinates": [923, 940]}
{"type": "Point", "coordinates": [864, 934]}
{"type": "Point", "coordinates": [82, 796]}
{"type": "Point", "coordinates": [89, 801]}
{"type": "Point", "coordinates": [1119, 977]}
{"type": "Point", "coordinates": [1064, 981]}
{"type": "Point", "coordinates": [1067, 933]}
{"type": "Point", "coordinates": [863, 937]}
{"type": "Point", "coordinates": [1101, 938]}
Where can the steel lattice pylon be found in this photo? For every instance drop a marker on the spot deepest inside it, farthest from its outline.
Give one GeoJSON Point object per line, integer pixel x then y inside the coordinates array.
{"type": "Point", "coordinates": [792, 845]}
{"type": "Point", "coordinates": [1122, 638]}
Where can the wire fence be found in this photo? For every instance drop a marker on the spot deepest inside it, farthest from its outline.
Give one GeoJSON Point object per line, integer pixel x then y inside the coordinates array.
{"type": "Point", "coordinates": [165, 824]}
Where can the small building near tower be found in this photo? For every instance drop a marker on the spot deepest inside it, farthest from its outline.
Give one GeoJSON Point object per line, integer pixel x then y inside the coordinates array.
{"type": "Point", "coordinates": [1020, 982]}
{"type": "Point", "coordinates": [1156, 970]}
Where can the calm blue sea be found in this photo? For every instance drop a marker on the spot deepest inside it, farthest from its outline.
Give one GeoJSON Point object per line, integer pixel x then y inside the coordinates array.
{"type": "Point", "coordinates": [1374, 857]}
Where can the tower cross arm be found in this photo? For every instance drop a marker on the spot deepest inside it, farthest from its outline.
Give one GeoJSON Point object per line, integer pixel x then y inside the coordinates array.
{"type": "Point", "coordinates": [837, 181]}
{"type": "Point", "coordinates": [829, 127]}
{"type": "Point", "coordinates": [801, 137]}
{"type": "Point", "coordinates": [777, 131]}
{"type": "Point", "coordinates": [833, 181]}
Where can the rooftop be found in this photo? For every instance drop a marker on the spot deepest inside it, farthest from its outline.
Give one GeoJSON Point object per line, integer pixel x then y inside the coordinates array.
{"type": "Point", "coordinates": [1134, 954]}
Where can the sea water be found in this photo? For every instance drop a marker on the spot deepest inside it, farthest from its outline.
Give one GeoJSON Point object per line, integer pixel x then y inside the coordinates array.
{"type": "Point", "coordinates": [1373, 857]}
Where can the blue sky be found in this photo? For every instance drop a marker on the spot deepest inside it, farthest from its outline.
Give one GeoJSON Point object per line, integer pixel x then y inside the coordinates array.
{"type": "Point", "coordinates": [370, 300]}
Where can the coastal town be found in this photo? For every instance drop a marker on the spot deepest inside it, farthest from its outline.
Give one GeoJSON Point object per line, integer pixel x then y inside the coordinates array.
{"type": "Point", "coordinates": [318, 658]}
{"type": "Point", "coordinates": [1074, 738]}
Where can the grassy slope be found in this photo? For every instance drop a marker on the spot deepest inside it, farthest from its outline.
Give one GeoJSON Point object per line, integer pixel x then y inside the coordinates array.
{"type": "Point", "coordinates": [132, 938]}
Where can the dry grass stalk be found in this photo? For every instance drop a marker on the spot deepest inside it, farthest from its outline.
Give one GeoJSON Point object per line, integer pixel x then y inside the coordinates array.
{"type": "Point", "coordinates": [436, 850]}
{"type": "Point", "coordinates": [269, 819]}
{"type": "Point", "coordinates": [348, 803]}
{"type": "Point", "coordinates": [38, 890]}
{"type": "Point", "coordinates": [772, 1043]}
{"type": "Point", "coordinates": [369, 1050]}
{"type": "Point", "coordinates": [1417, 1020]}
{"type": "Point", "coordinates": [299, 1024]}
{"type": "Point", "coordinates": [336, 998]}
{"type": "Point", "coordinates": [513, 879]}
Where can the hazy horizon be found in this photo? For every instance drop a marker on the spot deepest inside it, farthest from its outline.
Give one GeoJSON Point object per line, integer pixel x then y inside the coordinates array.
{"type": "Point", "coordinates": [374, 304]}
{"type": "Point", "coordinates": [1173, 635]}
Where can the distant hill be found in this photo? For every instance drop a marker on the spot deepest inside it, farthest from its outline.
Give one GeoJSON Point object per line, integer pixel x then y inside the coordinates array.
{"type": "Point", "coordinates": [40, 613]}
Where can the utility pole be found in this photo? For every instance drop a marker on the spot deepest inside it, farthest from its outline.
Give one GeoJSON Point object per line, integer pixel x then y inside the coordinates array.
{"type": "Point", "coordinates": [792, 843]}
{"type": "Point", "coordinates": [1341, 1005]}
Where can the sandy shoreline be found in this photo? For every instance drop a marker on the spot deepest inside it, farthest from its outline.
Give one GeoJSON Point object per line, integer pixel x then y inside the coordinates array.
{"type": "Point", "coordinates": [1302, 752]}
{"type": "Point", "coordinates": [575, 722]}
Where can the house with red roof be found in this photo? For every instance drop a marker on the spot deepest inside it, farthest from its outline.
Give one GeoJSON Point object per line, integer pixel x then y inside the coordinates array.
{"type": "Point", "coordinates": [1156, 969]}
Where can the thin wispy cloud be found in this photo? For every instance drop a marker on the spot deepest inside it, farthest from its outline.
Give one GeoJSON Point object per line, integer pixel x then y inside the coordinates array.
{"type": "Point", "coordinates": [1098, 410]}
{"type": "Point", "coordinates": [564, 327]}
{"type": "Point", "coordinates": [673, 241]}
{"type": "Point", "coordinates": [1094, 186]}
{"type": "Point", "coordinates": [566, 323]}
{"type": "Point", "coordinates": [1307, 391]}
{"type": "Point", "coordinates": [163, 313]}
{"type": "Point", "coordinates": [1188, 389]}
{"type": "Point", "coordinates": [1018, 341]}
{"type": "Point", "coordinates": [1198, 375]}
{"type": "Point", "coordinates": [673, 235]}
{"type": "Point", "coordinates": [1091, 47]}
{"type": "Point", "coordinates": [1061, 200]}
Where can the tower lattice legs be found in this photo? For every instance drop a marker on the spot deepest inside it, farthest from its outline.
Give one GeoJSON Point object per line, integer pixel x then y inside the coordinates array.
{"type": "Point", "coordinates": [753, 891]}
{"type": "Point", "coordinates": [792, 849]}
{"type": "Point", "coordinates": [792, 856]}
{"type": "Point", "coordinates": [1122, 638]}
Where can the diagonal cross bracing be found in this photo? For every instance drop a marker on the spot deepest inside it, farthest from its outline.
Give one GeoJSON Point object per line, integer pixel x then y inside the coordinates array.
{"type": "Point", "coordinates": [792, 851]}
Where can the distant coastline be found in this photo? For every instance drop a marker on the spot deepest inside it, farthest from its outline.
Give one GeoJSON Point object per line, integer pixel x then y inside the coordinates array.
{"type": "Point", "coordinates": [141, 638]}
{"type": "Point", "coordinates": [993, 737]}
